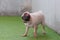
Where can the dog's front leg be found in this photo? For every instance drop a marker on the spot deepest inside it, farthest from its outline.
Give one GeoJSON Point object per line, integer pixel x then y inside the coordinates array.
{"type": "Point", "coordinates": [26, 31]}
{"type": "Point", "coordinates": [35, 30]}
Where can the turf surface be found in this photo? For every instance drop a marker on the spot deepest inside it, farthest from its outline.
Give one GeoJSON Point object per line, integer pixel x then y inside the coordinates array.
{"type": "Point", "coordinates": [12, 28]}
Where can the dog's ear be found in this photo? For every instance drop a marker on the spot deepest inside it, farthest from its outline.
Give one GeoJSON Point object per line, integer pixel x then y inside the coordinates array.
{"type": "Point", "coordinates": [25, 13]}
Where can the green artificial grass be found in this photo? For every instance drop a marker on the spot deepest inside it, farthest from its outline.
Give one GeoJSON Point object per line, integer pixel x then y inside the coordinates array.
{"type": "Point", "coordinates": [12, 28]}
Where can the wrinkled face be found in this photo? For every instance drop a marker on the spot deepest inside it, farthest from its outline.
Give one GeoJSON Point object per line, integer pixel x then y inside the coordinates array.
{"type": "Point", "coordinates": [26, 17]}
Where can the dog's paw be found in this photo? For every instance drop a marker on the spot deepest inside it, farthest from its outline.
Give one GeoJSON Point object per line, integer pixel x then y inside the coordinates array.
{"type": "Point", "coordinates": [24, 35]}
{"type": "Point", "coordinates": [44, 32]}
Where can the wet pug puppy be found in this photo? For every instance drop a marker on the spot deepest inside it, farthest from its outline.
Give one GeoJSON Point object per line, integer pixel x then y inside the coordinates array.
{"type": "Point", "coordinates": [33, 20]}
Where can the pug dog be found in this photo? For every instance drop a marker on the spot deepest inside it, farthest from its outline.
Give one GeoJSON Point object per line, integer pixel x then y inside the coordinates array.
{"type": "Point", "coordinates": [33, 20]}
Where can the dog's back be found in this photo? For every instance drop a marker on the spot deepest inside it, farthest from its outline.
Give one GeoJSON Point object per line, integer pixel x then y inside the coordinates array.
{"type": "Point", "coordinates": [37, 17]}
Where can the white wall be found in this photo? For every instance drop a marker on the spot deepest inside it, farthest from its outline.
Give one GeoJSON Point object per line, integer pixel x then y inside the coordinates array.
{"type": "Point", "coordinates": [51, 9]}
{"type": "Point", "coordinates": [7, 6]}
{"type": "Point", "coordinates": [48, 7]}
{"type": "Point", "coordinates": [57, 28]}
{"type": "Point", "coordinates": [12, 7]}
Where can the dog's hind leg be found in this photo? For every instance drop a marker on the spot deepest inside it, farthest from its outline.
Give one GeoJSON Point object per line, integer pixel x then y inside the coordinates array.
{"type": "Point", "coordinates": [43, 27]}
